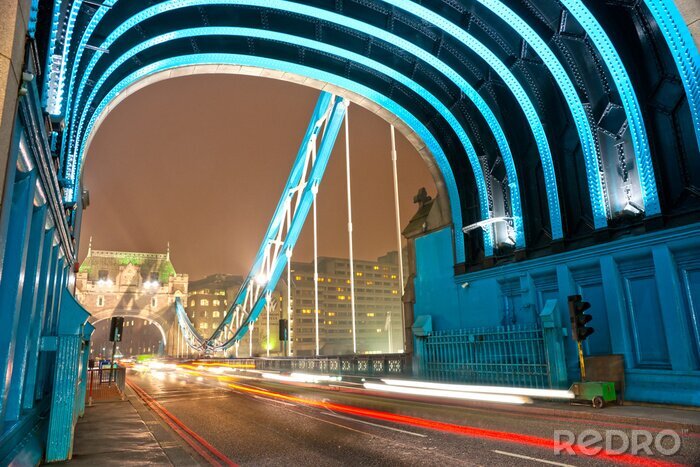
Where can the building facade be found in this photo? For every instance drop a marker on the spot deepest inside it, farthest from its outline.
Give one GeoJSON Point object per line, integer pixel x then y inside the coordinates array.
{"type": "Point", "coordinates": [135, 285]}
{"type": "Point", "coordinates": [377, 307]}
{"type": "Point", "coordinates": [209, 302]}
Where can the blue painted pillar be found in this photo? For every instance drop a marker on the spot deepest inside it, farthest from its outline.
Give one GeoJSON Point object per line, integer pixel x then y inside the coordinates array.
{"type": "Point", "coordinates": [46, 359]}
{"type": "Point", "coordinates": [12, 277]}
{"type": "Point", "coordinates": [554, 344]}
{"type": "Point", "coordinates": [88, 329]}
{"type": "Point", "coordinates": [675, 318]}
{"type": "Point", "coordinates": [36, 327]}
{"type": "Point", "coordinates": [66, 379]}
{"type": "Point", "coordinates": [27, 312]}
{"type": "Point", "coordinates": [615, 302]}
{"type": "Point", "coordinates": [567, 286]}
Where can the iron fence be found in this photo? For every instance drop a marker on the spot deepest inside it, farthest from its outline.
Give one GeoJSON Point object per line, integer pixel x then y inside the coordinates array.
{"type": "Point", "coordinates": [105, 383]}
{"type": "Point", "coordinates": [505, 355]}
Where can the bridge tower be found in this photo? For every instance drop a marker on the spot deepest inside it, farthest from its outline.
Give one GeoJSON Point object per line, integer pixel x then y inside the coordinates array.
{"type": "Point", "coordinates": [134, 285]}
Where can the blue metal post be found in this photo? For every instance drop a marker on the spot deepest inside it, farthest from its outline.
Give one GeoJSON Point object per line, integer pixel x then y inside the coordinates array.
{"type": "Point", "coordinates": [617, 309]}
{"type": "Point", "coordinates": [554, 344]}
{"type": "Point", "coordinates": [11, 281]}
{"type": "Point", "coordinates": [88, 329]}
{"type": "Point", "coordinates": [36, 327]}
{"type": "Point", "coordinates": [26, 313]}
{"type": "Point", "coordinates": [66, 381]}
{"type": "Point", "coordinates": [46, 359]}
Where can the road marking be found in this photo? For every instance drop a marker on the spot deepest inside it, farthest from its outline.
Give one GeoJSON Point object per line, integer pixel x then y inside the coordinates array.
{"type": "Point", "coordinates": [331, 414]}
{"type": "Point", "coordinates": [267, 399]}
{"type": "Point", "coordinates": [535, 459]}
{"type": "Point", "coordinates": [332, 423]}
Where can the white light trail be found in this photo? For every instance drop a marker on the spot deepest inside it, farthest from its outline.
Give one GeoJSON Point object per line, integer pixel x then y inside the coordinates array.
{"type": "Point", "coordinates": [529, 392]}
{"type": "Point", "coordinates": [475, 396]}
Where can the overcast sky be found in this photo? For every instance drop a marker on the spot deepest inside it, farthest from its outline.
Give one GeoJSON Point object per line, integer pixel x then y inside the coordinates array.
{"type": "Point", "coordinates": [200, 161]}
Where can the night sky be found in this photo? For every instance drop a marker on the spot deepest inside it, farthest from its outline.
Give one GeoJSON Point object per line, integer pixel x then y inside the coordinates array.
{"type": "Point", "coordinates": [200, 161]}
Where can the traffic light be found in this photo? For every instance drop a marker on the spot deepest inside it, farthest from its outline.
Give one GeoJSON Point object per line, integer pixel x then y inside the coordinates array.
{"type": "Point", "coordinates": [283, 330]}
{"type": "Point", "coordinates": [115, 329]}
{"type": "Point", "coordinates": [577, 307]}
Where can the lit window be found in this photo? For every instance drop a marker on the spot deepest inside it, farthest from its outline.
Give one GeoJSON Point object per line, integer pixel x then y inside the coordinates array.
{"type": "Point", "coordinates": [347, 281]}
{"type": "Point", "coordinates": [370, 282]}
{"type": "Point", "coordinates": [100, 300]}
{"type": "Point", "coordinates": [358, 274]}
{"type": "Point", "coordinates": [216, 302]}
{"type": "Point", "coordinates": [191, 302]}
{"type": "Point", "coordinates": [205, 313]}
{"type": "Point", "coordinates": [297, 278]}
{"type": "Point", "coordinates": [204, 302]}
{"type": "Point", "coordinates": [329, 322]}
{"type": "Point", "coordinates": [203, 325]}
{"type": "Point", "coordinates": [379, 330]}
{"type": "Point", "coordinates": [341, 297]}
{"type": "Point", "coordinates": [395, 292]}
{"type": "Point", "coordinates": [331, 313]}
{"type": "Point", "coordinates": [215, 314]}
{"type": "Point", "coordinates": [376, 268]}
{"type": "Point", "coordinates": [306, 311]}
{"type": "Point", "coordinates": [370, 315]}
{"type": "Point", "coordinates": [329, 279]}
{"type": "Point", "coordinates": [393, 276]}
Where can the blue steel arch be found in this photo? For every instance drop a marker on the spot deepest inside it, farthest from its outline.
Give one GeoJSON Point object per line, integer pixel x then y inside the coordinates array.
{"type": "Point", "coordinates": [686, 58]}
{"type": "Point", "coordinates": [684, 52]}
{"type": "Point", "coordinates": [195, 32]}
{"type": "Point", "coordinates": [249, 60]}
{"type": "Point", "coordinates": [502, 70]}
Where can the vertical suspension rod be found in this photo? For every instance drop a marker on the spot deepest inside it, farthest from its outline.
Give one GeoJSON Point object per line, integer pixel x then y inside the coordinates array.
{"type": "Point", "coordinates": [398, 228]}
{"type": "Point", "coordinates": [350, 249]}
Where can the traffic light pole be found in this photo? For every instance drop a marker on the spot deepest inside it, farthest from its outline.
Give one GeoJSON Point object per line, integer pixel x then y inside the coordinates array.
{"type": "Point", "coordinates": [581, 362]}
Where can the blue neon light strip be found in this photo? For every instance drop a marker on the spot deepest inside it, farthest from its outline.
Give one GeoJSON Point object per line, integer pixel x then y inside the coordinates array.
{"type": "Point", "coordinates": [635, 120]}
{"type": "Point", "coordinates": [594, 174]}
{"type": "Point", "coordinates": [94, 21]}
{"type": "Point", "coordinates": [514, 85]}
{"type": "Point", "coordinates": [370, 94]}
{"type": "Point", "coordinates": [684, 52]}
{"type": "Point", "coordinates": [422, 54]}
{"type": "Point", "coordinates": [317, 46]}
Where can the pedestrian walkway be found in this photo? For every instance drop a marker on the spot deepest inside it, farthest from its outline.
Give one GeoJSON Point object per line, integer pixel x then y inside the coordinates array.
{"type": "Point", "coordinates": [125, 433]}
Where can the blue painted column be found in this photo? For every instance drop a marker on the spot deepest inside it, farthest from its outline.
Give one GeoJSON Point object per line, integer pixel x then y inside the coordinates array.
{"type": "Point", "coordinates": [675, 318]}
{"type": "Point", "coordinates": [88, 329]}
{"type": "Point", "coordinates": [36, 327]}
{"type": "Point", "coordinates": [554, 344]}
{"type": "Point", "coordinates": [12, 277]}
{"type": "Point", "coordinates": [26, 313]}
{"type": "Point", "coordinates": [615, 302]}
{"type": "Point", "coordinates": [46, 359]}
{"type": "Point", "coordinates": [567, 286]}
{"type": "Point", "coordinates": [66, 379]}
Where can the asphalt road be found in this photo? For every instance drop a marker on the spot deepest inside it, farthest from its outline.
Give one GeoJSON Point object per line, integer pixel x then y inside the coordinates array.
{"type": "Point", "coordinates": [258, 422]}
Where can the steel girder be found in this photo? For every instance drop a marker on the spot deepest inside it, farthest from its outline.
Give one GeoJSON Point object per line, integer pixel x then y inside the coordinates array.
{"type": "Point", "coordinates": [438, 34]}
{"type": "Point", "coordinates": [282, 233]}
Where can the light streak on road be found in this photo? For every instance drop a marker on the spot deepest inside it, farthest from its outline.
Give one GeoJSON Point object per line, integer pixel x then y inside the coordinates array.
{"type": "Point", "coordinates": [529, 392]}
{"type": "Point", "coordinates": [471, 396]}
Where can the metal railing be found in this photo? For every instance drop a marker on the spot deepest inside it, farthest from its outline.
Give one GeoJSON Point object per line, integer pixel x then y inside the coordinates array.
{"type": "Point", "coordinates": [350, 365]}
{"type": "Point", "coordinates": [105, 383]}
{"type": "Point", "coordinates": [505, 355]}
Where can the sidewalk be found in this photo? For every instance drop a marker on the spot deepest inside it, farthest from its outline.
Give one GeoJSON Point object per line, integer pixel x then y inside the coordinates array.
{"type": "Point", "coordinates": [125, 433]}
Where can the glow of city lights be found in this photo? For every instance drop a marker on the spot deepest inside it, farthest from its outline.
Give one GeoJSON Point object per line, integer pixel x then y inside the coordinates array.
{"type": "Point", "coordinates": [261, 279]}
{"type": "Point", "coordinates": [474, 396]}
{"type": "Point", "coordinates": [151, 285]}
{"type": "Point", "coordinates": [529, 392]}
{"type": "Point", "coordinates": [105, 283]}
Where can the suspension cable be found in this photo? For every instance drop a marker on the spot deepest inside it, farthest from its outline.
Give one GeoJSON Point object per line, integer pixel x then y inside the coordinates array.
{"type": "Point", "coordinates": [398, 232]}
{"type": "Point", "coordinates": [352, 270]}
